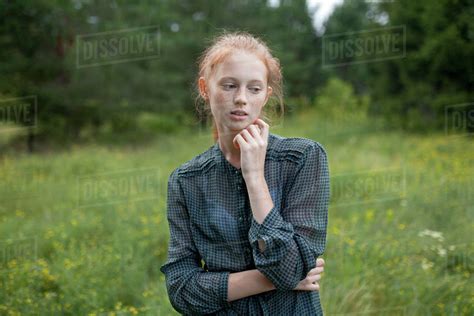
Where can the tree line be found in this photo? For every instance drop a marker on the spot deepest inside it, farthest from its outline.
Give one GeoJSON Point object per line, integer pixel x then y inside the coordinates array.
{"type": "Point", "coordinates": [108, 67]}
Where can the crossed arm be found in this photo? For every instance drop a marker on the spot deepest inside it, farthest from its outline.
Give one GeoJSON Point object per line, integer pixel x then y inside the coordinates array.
{"type": "Point", "coordinates": [285, 242]}
{"type": "Point", "coordinates": [251, 282]}
{"type": "Point", "coordinates": [247, 283]}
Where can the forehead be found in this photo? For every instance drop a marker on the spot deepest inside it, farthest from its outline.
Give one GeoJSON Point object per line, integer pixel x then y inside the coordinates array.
{"type": "Point", "coordinates": [242, 66]}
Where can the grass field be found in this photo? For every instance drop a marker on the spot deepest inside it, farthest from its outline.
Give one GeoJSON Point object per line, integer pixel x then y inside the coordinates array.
{"type": "Point", "coordinates": [84, 232]}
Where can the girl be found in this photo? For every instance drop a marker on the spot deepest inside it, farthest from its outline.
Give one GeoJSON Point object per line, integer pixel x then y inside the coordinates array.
{"type": "Point", "coordinates": [253, 207]}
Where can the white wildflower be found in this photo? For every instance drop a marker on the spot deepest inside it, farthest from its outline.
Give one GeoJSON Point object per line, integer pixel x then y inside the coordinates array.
{"type": "Point", "coordinates": [432, 234]}
{"type": "Point", "coordinates": [441, 252]}
{"type": "Point", "coordinates": [426, 264]}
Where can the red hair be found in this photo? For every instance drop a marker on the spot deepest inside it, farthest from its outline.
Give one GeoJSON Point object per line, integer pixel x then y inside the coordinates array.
{"type": "Point", "coordinates": [224, 45]}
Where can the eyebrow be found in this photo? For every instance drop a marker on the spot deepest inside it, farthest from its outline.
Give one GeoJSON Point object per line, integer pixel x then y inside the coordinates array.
{"type": "Point", "coordinates": [235, 79]}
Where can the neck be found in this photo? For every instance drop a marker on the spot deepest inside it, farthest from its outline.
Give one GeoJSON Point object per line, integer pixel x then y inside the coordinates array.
{"type": "Point", "coordinates": [226, 145]}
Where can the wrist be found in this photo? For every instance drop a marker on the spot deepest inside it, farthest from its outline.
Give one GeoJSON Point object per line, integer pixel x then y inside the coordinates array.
{"type": "Point", "coordinates": [267, 284]}
{"type": "Point", "coordinates": [256, 179]}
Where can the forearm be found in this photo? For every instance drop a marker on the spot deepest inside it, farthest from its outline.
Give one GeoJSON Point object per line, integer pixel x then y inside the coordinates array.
{"type": "Point", "coordinates": [260, 201]}
{"type": "Point", "coordinates": [247, 283]}
{"type": "Point", "coordinates": [282, 254]}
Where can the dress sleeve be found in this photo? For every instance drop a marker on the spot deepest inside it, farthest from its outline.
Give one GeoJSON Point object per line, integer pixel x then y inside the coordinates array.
{"type": "Point", "coordinates": [296, 235]}
{"type": "Point", "coordinates": [191, 289]}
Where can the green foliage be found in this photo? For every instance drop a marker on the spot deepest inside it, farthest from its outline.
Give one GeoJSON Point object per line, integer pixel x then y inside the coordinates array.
{"type": "Point", "coordinates": [39, 42]}
{"type": "Point", "coordinates": [413, 90]}
{"type": "Point", "coordinates": [343, 113]}
{"type": "Point", "coordinates": [61, 250]}
{"type": "Point", "coordinates": [338, 98]}
{"type": "Point", "coordinates": [40, 49]}
{"type": "Point", "coordinates": [349, 17]}
{"type": "Point", "coordinates": [438, 69]}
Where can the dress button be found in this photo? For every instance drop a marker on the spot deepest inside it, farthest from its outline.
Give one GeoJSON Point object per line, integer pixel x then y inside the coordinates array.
{"type": "Point", "coordinates": [239, 187]}
{"type": "Point", "coordinates": [241, 219]}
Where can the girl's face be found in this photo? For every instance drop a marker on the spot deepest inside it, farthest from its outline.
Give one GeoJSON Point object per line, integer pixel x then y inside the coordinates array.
{"type": "Point", "coordinates": [237, 91]}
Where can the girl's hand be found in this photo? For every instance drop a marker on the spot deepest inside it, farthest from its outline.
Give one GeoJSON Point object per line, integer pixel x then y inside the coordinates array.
{"type": "Point", "coordinates": [311, 282]}
{"type": "Point", "coordinates": [253, 142]}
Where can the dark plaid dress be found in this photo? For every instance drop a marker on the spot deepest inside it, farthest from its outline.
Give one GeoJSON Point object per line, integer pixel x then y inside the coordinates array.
{"type": "Point", "coordinates": [213, 232]}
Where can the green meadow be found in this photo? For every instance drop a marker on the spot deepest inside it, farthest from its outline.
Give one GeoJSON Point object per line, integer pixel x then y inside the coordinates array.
{"type": "Point", "coordinates": [84, 231]}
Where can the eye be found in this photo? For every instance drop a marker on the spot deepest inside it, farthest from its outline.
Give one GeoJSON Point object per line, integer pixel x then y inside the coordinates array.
{"type": "Point", "coordinates": [255, 89]}
{"type": "Point", "coordinates": [228, 86]}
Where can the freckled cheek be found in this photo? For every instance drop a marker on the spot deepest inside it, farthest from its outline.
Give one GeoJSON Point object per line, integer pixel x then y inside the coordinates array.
{"type": "Point", "coordinates": [256, 102]}
{"type": "Point", "coordinates": [222, 98]}
{"type": "Point", "coordinates": [259, 99]}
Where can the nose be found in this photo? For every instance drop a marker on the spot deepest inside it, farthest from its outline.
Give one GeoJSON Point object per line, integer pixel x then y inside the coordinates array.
{"type": "Point", "coordinates": [240, 97]}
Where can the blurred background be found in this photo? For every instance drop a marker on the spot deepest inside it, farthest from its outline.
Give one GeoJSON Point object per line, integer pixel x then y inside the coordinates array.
{"type": "Point", "coordinates": [98, 105]}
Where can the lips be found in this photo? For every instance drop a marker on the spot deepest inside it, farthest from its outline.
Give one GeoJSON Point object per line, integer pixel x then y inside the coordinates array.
{"type": "Point", "coordinates": [239, 112]}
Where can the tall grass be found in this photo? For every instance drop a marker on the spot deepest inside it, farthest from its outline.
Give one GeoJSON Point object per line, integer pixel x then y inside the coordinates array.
{"type": "Point", "coordinates": [84, 232]}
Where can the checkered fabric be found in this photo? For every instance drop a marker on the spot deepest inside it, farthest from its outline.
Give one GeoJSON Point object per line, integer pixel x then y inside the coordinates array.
{"type": "Point", "coordinates": [213, 232]}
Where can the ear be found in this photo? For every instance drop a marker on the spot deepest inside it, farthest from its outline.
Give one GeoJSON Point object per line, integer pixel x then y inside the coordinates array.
{"type": "Point", "coordinates": [203, 88]}
{"type": "Point", "coordinates": [269, 93]}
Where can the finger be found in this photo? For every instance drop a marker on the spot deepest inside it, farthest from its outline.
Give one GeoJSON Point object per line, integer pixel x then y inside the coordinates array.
{"type": "Point", "coordinates": [308, 287]}
{"type": "Point", "coordinates": [235, 142]}
{"type": "Point", "coordinates": [255, 131]}
{"type": "Point", "coordinates": [311, 287]}
{"type": "Point", "coordinates": [262, 124]}
{"type": "Point", "coordinates": [316, 270]}
{"type": "Point", "coordinates": [258, 128]}
{"type": "Point", "coordinates": [264, 127]}
{"type": "Point", "coordinates": [241, 141]}
{"type": "Point", "coordinates": [311, 280]}
{"type": "Point", "coordinates": [320, 262]}
{"type": "Point", "coordinates": [249, 138]}
{"type": "Point", "coordinates": [314, 278]}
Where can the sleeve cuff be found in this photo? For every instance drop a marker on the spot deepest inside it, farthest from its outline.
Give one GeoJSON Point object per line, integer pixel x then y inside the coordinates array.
{"type": "Point", "coordinates": [270, 228]}
{"type": "Point", "coordinates": [222, 288]}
